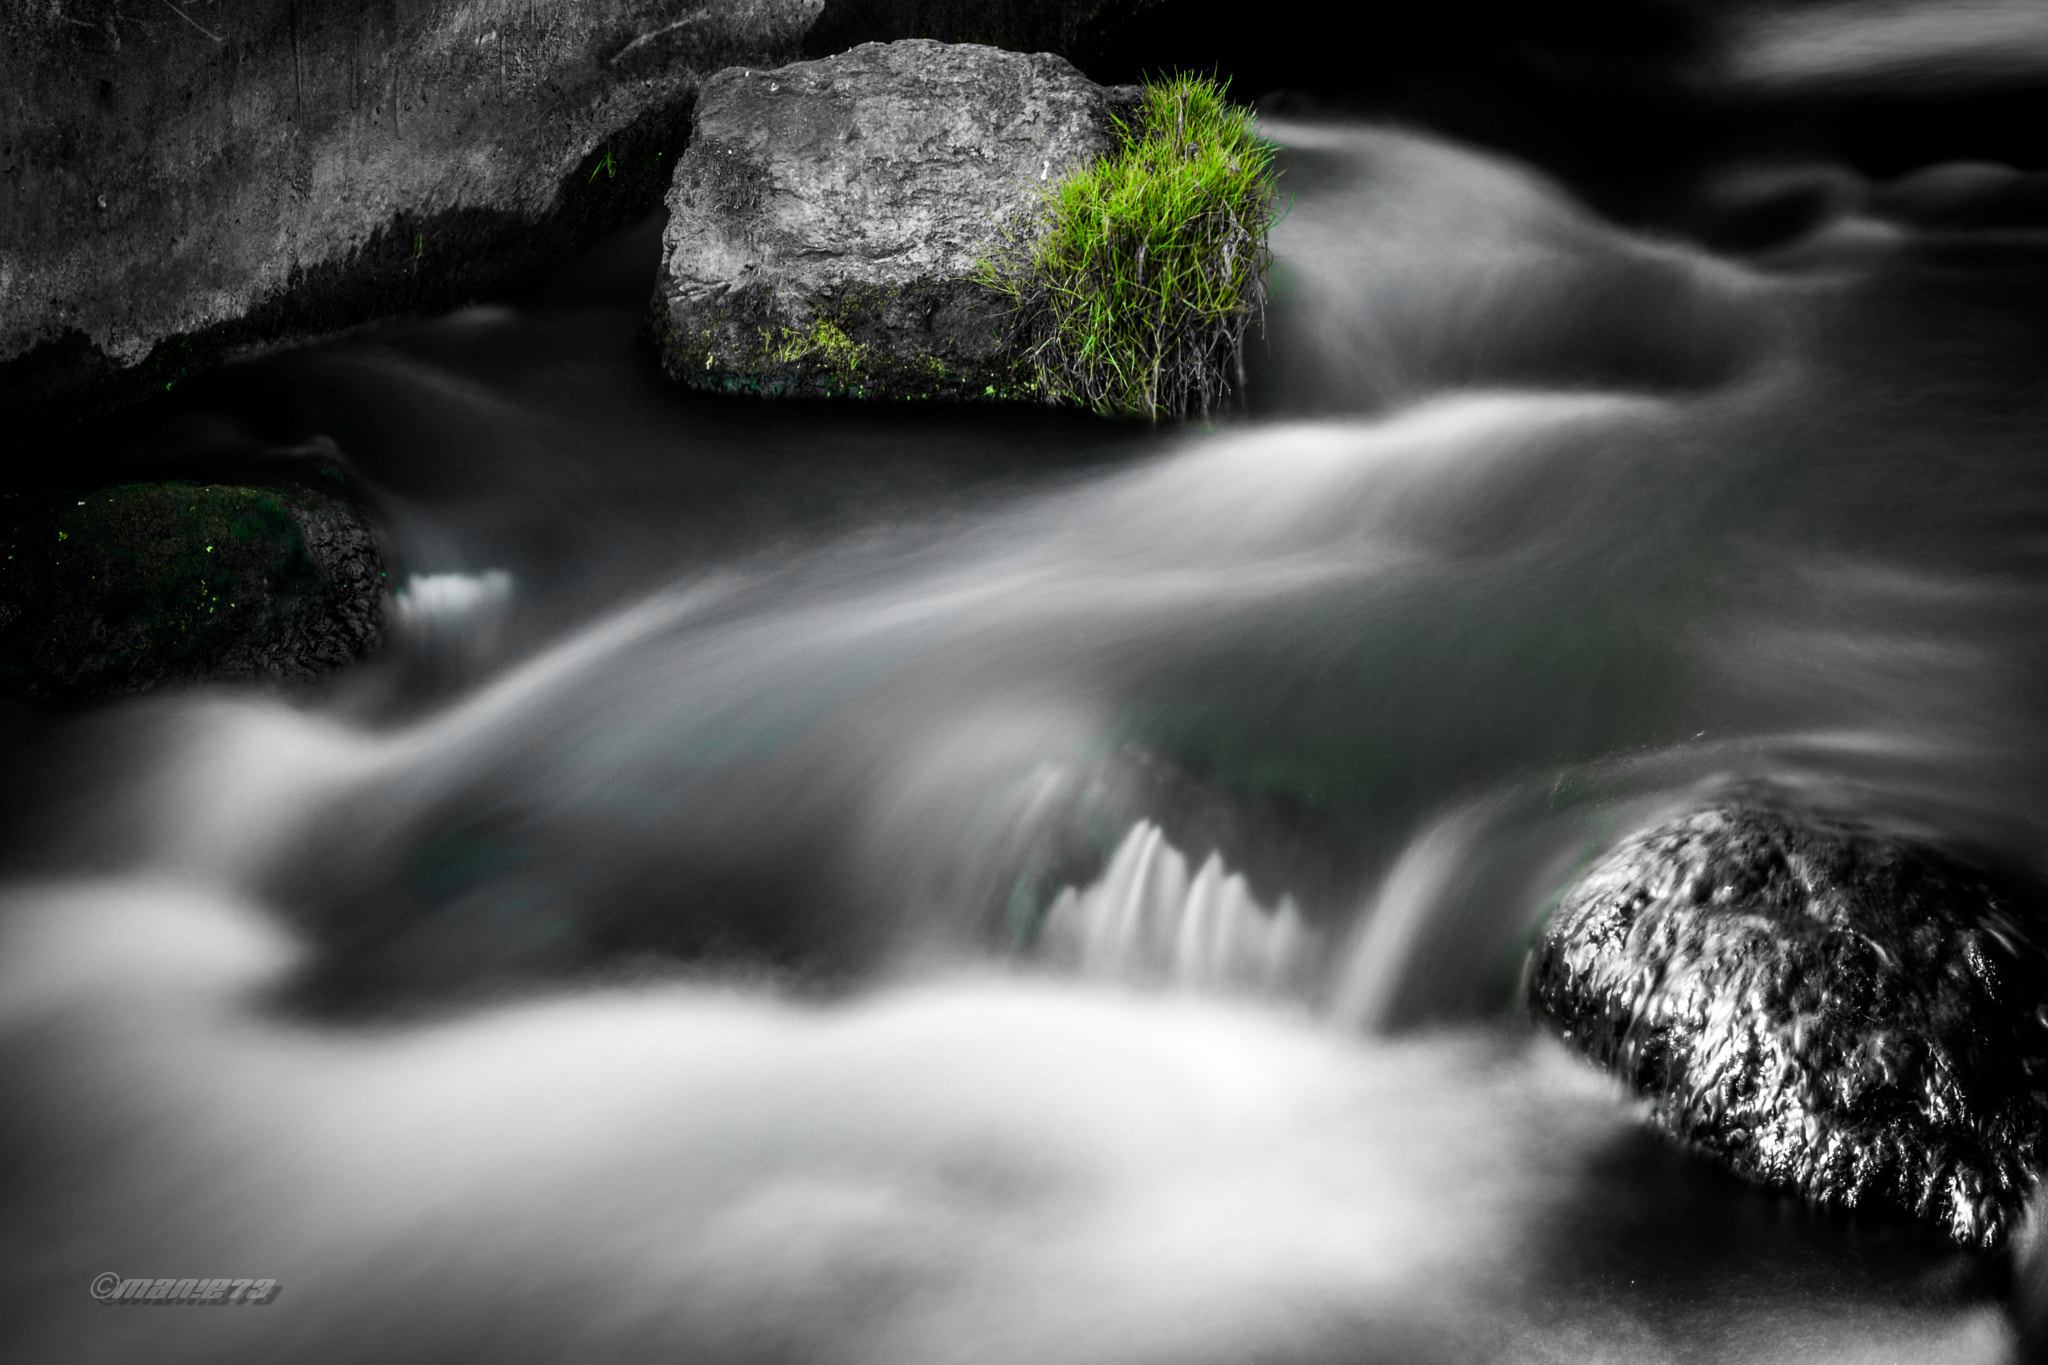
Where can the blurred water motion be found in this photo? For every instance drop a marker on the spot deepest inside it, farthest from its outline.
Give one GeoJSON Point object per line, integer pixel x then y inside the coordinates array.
{"type": "Point", "coordinates": [1148, 919]}
{"type": "Point", "coordinates": [1409, 265]}
{"type": "Point", "coordinates": [809, 883]}
{"type": "Point", "coordinates": [1954, 42]}
{"type": "Point", "coordinates": [975, 1168]}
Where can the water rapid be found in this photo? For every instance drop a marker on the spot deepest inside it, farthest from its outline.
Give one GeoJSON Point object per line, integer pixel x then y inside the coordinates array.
{"type": "Point", "coordinates": [816, 884]}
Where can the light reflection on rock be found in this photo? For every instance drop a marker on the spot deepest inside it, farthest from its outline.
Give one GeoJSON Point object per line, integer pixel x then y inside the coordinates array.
{"type": "Point", "coordinates": [1818, 1005]}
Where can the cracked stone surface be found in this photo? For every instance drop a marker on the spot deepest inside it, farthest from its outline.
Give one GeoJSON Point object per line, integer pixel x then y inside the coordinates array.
{"type": "Point", "coordinates": [825, 222]}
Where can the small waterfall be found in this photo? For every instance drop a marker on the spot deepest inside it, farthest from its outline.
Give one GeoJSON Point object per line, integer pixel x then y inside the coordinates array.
{"type": "Point", "coordinates": [1377, 963]}
{"type": "Point", "coordinates": [1147, 920]}
{"type": "Point", "coordinates": [438, 599]}
{"type": "Point", "coordinates": [451, 623]}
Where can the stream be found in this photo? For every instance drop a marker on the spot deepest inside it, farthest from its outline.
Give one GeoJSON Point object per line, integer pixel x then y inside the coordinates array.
{"type": "Point", "coordinates": [826, 884]}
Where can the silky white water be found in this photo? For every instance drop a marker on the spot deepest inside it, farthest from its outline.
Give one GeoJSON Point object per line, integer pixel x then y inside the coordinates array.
{"type": "Point", "coordinates": [819, 886]}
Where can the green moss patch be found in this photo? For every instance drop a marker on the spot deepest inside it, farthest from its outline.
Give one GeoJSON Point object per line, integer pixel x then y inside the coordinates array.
{"type": "Point", "coordinates": [1135, 281]}
{"type": "Point", "coordinates": [856, 344]}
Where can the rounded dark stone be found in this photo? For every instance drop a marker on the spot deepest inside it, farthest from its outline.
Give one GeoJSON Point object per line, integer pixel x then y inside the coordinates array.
{"type": "Point", "coordinates": [1819, 1005]}
{"type": "Point", "coordinates": [108, 592]}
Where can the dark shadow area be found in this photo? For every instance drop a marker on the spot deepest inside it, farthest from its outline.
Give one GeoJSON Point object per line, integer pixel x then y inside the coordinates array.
{"type": "Point", "coordinates": [415, 266]}
{"type": "Point", "coordinates": [1077, 29]}
{"type": "Point", "coordinates": [1591, 91]}
{"type": "Point", "coordinates": [1690, 1248]}
{"type": "Point", "coordinates": [1886, 133]}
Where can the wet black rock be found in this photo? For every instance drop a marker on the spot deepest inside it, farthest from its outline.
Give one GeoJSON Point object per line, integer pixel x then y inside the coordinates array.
{"type": "Point", "coordinates": [112, 591]}
{"type": "Point", "coordinates": [1821, 1006]}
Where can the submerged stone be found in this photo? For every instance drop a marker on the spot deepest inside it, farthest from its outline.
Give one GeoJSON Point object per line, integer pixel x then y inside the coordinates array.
{"type": "Point", "coordinates": [118, 590]}
{"type": "Point", "coordinates": [825, 223]}
{"type": "Point", "coordinates": [1819, 1005]}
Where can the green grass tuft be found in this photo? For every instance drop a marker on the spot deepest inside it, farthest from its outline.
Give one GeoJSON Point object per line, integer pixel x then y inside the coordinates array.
{"type": "Point", "coordinates": [824, 342]}
{"type": "Point", "coordinates": [1135, 280]}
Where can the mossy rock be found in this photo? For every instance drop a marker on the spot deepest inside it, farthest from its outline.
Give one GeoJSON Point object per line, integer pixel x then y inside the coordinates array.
{"type": "Point", "coordinates": [113, 591]}
{"type": "Point", "coordinates": [826, 221]}
{"type": "Point", "coordinates": [853, 346]}
{"type": "Point", "coordinates": [922, 220]}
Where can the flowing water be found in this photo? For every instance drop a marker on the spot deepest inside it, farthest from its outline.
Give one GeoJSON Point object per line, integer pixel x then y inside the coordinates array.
{"type": "Point", "coordinates": [821, 884]}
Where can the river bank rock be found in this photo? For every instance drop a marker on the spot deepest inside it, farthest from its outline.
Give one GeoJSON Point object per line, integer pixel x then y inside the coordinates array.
{"type": "Point", "coordinates": [112, 591]}
{"type": "Point", "coordinates": [178, 183]}
{"type": "Point", "coordinates": [825, 223]}
{"type": "Point", "coordinates": [1820, 1006]}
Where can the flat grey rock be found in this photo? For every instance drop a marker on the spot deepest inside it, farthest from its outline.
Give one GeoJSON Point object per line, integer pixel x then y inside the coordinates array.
{"type": "Point", "coordinates": [825, 221]}
{"type": "Point", "coordinates": [1821, 1006]}
{"type": "Point", "coordinates": [193, 181]}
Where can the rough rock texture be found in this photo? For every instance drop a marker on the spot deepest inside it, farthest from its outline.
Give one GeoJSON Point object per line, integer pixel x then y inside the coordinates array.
{"type": "Point", "coordinates": [1076, 29]}
{"type": "Point", "coordinates": [824, 224]}
{"type": "Point", "coordinates": [177, 182]}
{"type": "Point", "coordinates": [111, 591]}
{"type": "Point", "coordinates": [1818, 1005]}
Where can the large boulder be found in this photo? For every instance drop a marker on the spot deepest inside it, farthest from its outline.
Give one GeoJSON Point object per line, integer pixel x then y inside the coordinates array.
{"type": "Point", "coordinates": [1821, 1006]}
{"type": "Point", "coordinates": [180, 181]}
{"type": "Point", "coordinates": [111, 591]}
{"type": "Point", "coordinates": [825, 224]}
